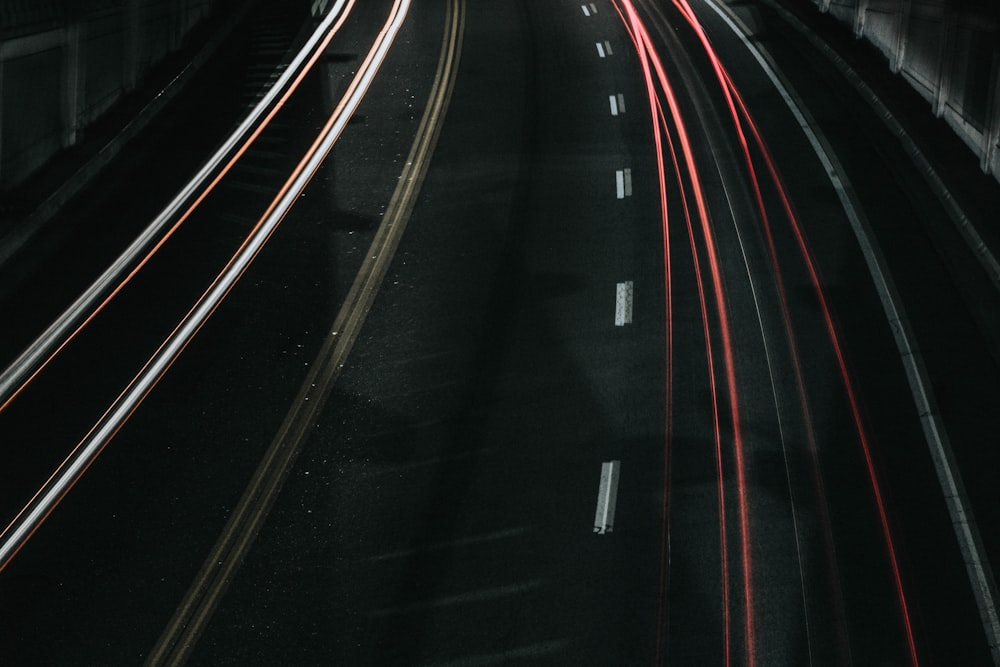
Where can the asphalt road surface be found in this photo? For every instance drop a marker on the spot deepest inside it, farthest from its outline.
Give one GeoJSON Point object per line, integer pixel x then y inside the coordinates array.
{"type": "Point", "coordinates": [570, 352]}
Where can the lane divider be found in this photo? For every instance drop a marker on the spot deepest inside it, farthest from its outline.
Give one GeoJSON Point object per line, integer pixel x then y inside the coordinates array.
{"type": "Point", "coordinates": [623, 183]}
{"type": "Point", "coordinates": [248, 516]}
{"type": "Point", "coordinates": [623, 303]}
{"type": "Point", "coordinates": [617, 104]}
{"type": "Point", "coordinates": [607, 497]}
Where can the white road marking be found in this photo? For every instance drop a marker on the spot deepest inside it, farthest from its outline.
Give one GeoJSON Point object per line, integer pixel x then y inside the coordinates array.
{"type": "Point", "coordinates": [586, 12]}
{"type": "Point", "coordinates": [617, 107]}
{"type": "Point", "coordinates": [593, 8]}
{"type": "Point", "coordinates": [607, 496]}
{"type": "Point", "coordinates": [600, 49]}
{"type": "Point", "coordinates": [607, 47]}
{"type": "Point", "coordinates": [620, 183]}
{"type": "Point", "coordinates": [628, 182]}
{"type": "Point", "coordinates": [623, 303]}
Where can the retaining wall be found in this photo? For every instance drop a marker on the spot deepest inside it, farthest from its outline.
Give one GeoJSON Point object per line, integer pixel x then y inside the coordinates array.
{"type": "Point", "coordinates": [64, 62]}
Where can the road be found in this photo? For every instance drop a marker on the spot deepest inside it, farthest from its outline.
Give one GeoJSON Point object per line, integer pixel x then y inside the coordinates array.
{"type": "Point", "coordinates": [570, 352]}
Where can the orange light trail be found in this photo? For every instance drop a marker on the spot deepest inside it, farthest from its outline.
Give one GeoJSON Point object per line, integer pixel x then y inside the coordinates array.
{"type": "Point", "coordinates": [68, 473]}
{"type": "Point", "coordinates": [724, 328]}
{"type": "Point", "coordinates": [713, 390]}
{"type": "Point", "coordinates": [293, 86]}
{"type": "Point", "coordinates": [730, 92]}
{"type": "Point", "coordinates": [648, 56]}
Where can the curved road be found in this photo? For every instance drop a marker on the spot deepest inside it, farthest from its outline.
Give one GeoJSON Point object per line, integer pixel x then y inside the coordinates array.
{"type": "Point", "coordinates": [568, 353]}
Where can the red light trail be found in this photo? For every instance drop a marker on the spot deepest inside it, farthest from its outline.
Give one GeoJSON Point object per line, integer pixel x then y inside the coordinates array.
{"type": "Point", "coordinates": [742, 120]}
{"type": "Point", "coordinates": [730, 90]}
{"type": "Point", "coordinates": [650, 58]}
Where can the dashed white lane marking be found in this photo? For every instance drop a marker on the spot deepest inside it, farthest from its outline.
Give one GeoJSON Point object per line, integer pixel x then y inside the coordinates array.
{"type": "Point", "coordinates": [600, 49]}
{"type": "Point", "coordinates": [607, 496]}
{"type": "Point", "coordinates": [617, 104]}
{"type": "Point", "coordinates": [586, 10]}
{"type": "Point", "coordinates": [593, 8]}
{"type": "Point", "coordinates": [607, 48]}
{"type": "Point", "coordinates": [623, 183]}
{"type": "Point", "coordinates": [623, 303]}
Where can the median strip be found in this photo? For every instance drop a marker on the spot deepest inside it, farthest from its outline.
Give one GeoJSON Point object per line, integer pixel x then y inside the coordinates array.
{"type": "Point", "coordinates": [246, 519]}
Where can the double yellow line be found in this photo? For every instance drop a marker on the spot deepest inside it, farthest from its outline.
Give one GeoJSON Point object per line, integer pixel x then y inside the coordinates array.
{"type": "Point", "coordinates": [191, 617]}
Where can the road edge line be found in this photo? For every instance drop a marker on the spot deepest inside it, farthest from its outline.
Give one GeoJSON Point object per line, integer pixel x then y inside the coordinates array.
{"type": "Point", "coordinates": [978, 568]}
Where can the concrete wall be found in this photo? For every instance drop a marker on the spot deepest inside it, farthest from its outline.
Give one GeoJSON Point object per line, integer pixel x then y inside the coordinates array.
{"type": "Point", "coordinates": [949, 51]}
{"type": "Point", "coordinates": [64, 62]}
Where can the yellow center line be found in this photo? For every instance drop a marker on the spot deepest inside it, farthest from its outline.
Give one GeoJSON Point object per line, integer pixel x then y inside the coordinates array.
{"type": "Point", "coordinates": [190, 618]}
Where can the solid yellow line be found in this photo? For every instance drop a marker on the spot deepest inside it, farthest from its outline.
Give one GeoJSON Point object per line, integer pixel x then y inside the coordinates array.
{"type": "Point", "coordinates": [191, 616]}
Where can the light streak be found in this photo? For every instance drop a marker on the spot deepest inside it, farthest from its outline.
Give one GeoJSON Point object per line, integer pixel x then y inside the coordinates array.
{"type": "Point", "coordinates": [40, 354]}
{"type": "Point", "coordinates": [656, 115]}
{"type": "Point", "coordinates": [713, 392]}
{"type": "Point", "coordinates": [724, 325]}
{"type": "Point", "coordinates": [30, 518]}
{"type": "Point", "coordinates": [851, 398]}
{"type": "Point", "coordinates": [730, 92]}
{"type": "Point", "coordinates": [236, 538]}
{"type": "Point", "coordinates": [734, 98]}
{"type": "Point", "coordinates": [643, 46]}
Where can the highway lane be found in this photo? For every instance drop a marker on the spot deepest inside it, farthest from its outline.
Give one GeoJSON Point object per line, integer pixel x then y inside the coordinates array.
{"type": "Point", "coordinates": [456, 496]}
{"type": "Point", "coordinates": [923, 259]}
{"type": "Point", "coordinates": [465, 498]}
{"type": "Point", "coordinates": [409, 399]}
{"type": "Point", "coordinates": [442, 509]}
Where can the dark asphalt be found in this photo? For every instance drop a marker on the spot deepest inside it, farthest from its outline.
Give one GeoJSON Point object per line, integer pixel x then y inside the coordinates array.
{"type": "Point", "coordinates": [441, 510]}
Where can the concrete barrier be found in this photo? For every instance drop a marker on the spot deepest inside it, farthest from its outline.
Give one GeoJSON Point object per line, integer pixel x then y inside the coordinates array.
{"type": "Point", "coordinates": [64, 64]}
{"type": "Point", "coordinates": [949, 52]}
